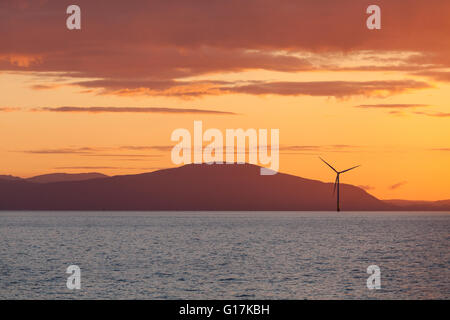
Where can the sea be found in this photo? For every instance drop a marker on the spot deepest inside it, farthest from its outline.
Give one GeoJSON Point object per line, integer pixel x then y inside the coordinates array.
{"type": "Point", "coordinates": [224, 255]}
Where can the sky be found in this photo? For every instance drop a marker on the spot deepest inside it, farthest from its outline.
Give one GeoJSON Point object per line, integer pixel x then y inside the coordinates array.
{"type": "Point", "coordinates": [106, 98]}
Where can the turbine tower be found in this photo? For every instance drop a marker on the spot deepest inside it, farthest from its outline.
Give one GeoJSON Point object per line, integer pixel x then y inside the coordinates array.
{"type": "Point", "coordinates": [336, 183]}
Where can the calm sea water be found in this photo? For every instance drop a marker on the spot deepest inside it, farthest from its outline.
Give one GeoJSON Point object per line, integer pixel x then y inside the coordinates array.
{"type": "Point", "coordinates": [185, 255]}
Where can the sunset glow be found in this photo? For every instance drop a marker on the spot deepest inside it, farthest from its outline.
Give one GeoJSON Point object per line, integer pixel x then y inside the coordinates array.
{"type": "Point", "coordinates": [106, 98]}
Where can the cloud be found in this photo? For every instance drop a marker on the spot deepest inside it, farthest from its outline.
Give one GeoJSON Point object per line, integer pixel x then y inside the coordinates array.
{"type": "Point", "coordinates": [21, 61]}
{"type": "Point", "coordinates": [133, 87]}
{"type": "Point", "coordinates": [157, 43]}
{"type": "Point", "coordinates": [338, 89]}
{"type": "Point", "coordinates": [99, 152]}
{"type": "Point", "coordinates": [95, 152]}
{"type": "Point", "coordinates": [392, 106]}
{"type": "Point", "coordinates": [283, 149]}
{"type": "Point", "coordinates": [130, 110]}
{"type": "Point", "coordinates": [154, 66]}
{"type": "Point", "coordinates": [397, 185]}
{"type": "Point", "coordinates": [366, 187]}
{"type": "Point", "coordinates": [83, 150]}
{"type": "Point", "coordinates": [397, 113]}
{"type": "Point", "coordinates": [441, 149]}
{"type": "Point", "coordinates": [272, 24]}
{"type": "Point", "coordinates": [157, 151]}
{"type": "Point", "coordinates": [149, 148]}
{"type": "Point", "coordinates": [434, 114]}
{"type": "Point", "coordinates": [315, 149]}
{"type": "Point", "coordinates": [46, 86]}
{"type": "Point", "coordinates": [9, 109]}
{"type": "Point", "coordinates": [123, 155]}
{"type": "Point", "coordinates": [443, 76]}
{"type": "Point", "coordinates": [107, 152]}
{"type": "Point", "coordinates": [399, 109]}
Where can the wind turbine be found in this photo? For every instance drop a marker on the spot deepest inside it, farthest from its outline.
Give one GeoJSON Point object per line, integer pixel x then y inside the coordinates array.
{"type": "Point", "coordinates": [336, 183]}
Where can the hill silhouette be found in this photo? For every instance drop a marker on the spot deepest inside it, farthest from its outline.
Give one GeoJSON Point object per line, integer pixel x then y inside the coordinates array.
{"type": "Point", "coordinates": [59, 177]}
{"type": "Point", "coordinates": [191, 187]}
{"type": "Point", "coordinates": [412, 205]}
{"type": "Point", "coordinates": [9, 177]}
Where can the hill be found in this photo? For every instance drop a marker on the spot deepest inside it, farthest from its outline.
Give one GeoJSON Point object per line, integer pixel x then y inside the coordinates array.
{"type": "Point", "coordinates": [59, 177]}
{"type": "Point", "coordinates": [410, 205]}
{"type": "Point", "coordinates": [9, 177]}
{"type": "Point", "coordinates": [191, 187]}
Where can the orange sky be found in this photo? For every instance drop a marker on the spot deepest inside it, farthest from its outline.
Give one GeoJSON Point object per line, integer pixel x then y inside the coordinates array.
{"type": "Point", "coordinates": [332, 87]}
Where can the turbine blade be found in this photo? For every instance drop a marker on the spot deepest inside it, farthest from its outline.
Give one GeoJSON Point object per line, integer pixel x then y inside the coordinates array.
{"type": "Point", "coordinates": [328, 165]}
{"type": "Point", "coordinates": [335, 184]}
{"type": "Point", "coordinates": [350, 169]}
